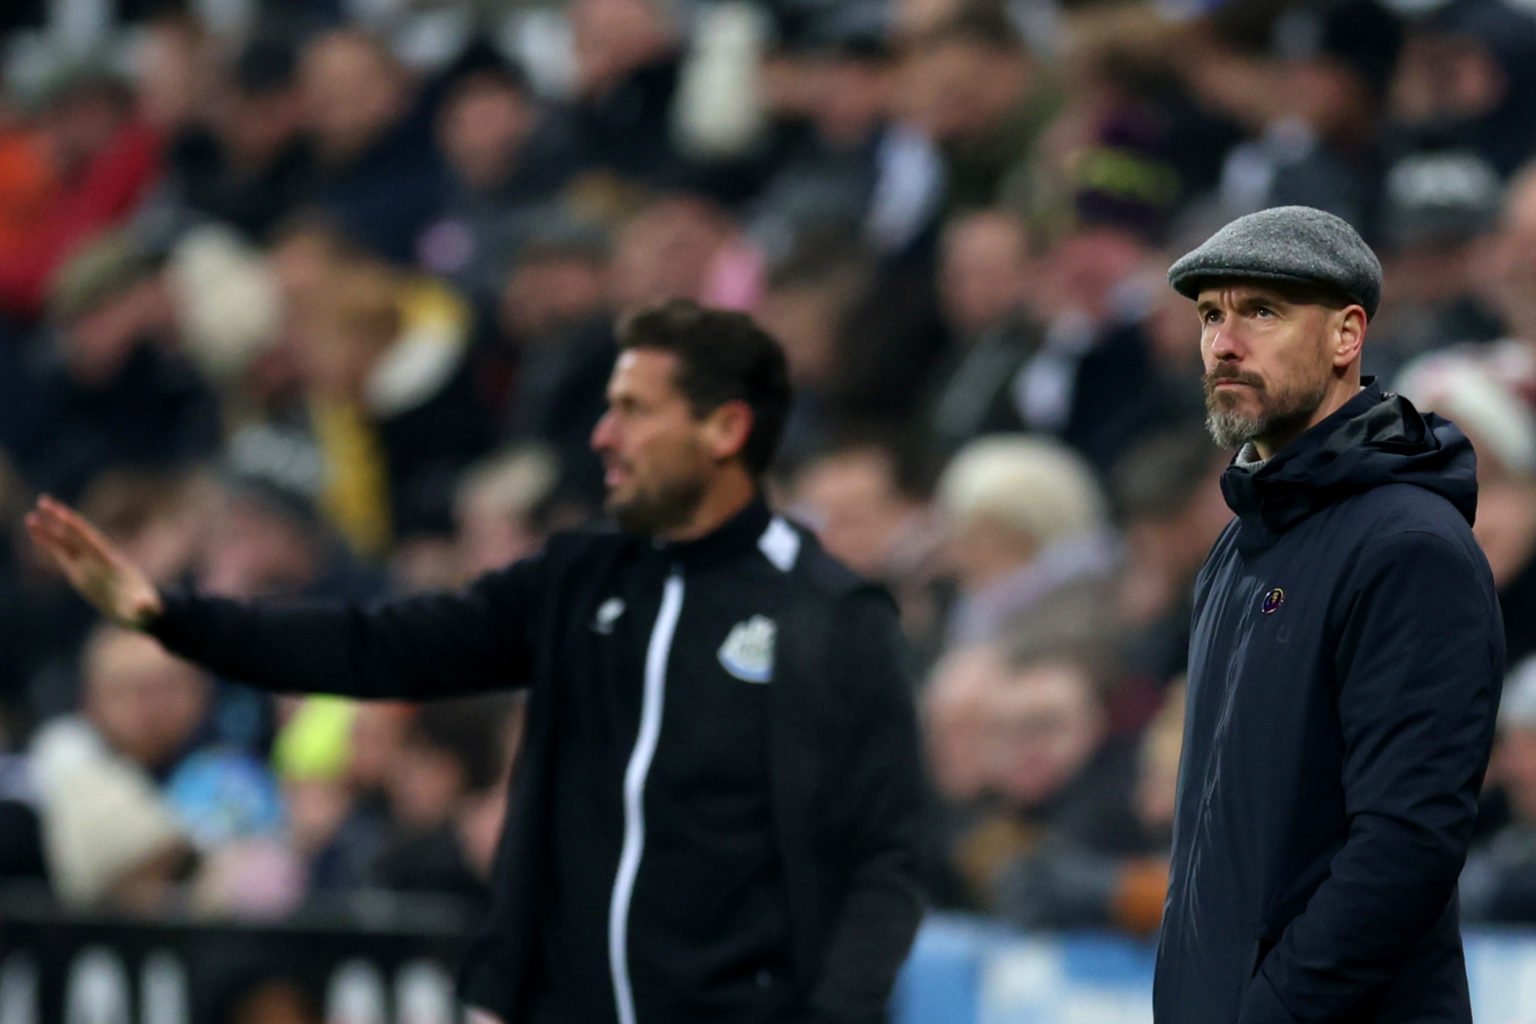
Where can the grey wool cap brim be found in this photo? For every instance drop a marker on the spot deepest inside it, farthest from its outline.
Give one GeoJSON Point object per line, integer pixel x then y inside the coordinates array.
{"type": "Point", "coordinates": [1286, 243]}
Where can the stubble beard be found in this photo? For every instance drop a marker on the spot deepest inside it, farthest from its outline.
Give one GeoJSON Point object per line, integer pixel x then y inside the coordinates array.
{"type": "Point", "coordinates": [665, 505]}
{"type": "Point", "coordinates": [1282, 413]}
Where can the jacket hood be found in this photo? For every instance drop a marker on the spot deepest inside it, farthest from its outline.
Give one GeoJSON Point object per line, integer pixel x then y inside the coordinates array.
{"type": "Point", "coordinates": [1374, 440]}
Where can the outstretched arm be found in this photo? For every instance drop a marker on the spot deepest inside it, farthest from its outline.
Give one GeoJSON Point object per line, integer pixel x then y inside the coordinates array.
{"type": "Point", "coordinates": [414, 648]}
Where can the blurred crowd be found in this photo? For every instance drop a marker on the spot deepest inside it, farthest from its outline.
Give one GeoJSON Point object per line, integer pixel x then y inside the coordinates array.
{"type": "Point", "coordinates": [317, 300]}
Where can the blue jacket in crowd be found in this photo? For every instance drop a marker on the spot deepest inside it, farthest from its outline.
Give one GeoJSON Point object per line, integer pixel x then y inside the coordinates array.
{"type": "Point", "coordinates": [1343, 684]}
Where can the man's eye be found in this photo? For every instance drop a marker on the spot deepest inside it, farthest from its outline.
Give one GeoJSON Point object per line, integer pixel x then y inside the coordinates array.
{"type": "Point", "coordinates": [1263, 311]}
{"type": "Point", "coordinates": [1210, 316]}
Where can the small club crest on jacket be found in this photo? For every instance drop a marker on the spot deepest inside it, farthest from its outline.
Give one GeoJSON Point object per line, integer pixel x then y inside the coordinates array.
{"type": "Point", "coordinates": [747, 652]}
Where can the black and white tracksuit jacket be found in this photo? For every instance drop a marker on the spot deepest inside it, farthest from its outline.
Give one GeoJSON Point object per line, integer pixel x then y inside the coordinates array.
{"type": "Point", "coordinates": [716, 813]}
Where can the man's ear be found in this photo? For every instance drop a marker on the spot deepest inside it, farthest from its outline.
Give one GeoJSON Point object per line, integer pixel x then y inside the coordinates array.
{"type": "Point", "coordinates": [1348, 336]}
{"type": "Point", "coordinates": [727, 429]}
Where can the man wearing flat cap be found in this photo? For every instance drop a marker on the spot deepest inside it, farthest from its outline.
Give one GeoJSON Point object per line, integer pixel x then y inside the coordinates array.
{"type": "Point", "coordinates": [1344, 660]}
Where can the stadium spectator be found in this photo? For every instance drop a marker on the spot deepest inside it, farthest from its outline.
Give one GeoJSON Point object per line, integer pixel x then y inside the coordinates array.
{"type": "Point", "coordinates": [333, 758]}
{"type": "Point", "coordinates": [112, 391]}
{"type": "Point", "coordinates": [1065, 882]}
{"type": "Point", "coordinates": [1058, 793]}
{"type": "Point", "coordinates": [1021, 518]}
{"type": "Point", "coordinates": [972, 86]}
{"type": "Point", "coordinates": [99, 160]}
{"type": "Point", "coordinates": [110, 832]}
{"type": "Point", "coordinates": [388, 396]}
{"type": "Point", "coordinates": [172, 69]}
{"type": "Point", "coordinates": [867, 501]}
{"type": "Point", "coordinates": [809, 303]}
{"type": "Point", "coordinates": [546, 366]}
{"type": "Point", "coordinates": [867, 508]}
{"type": "Point", "coordinates": [1441, 213]}
{"type": "Point", "coordinates": [1322, 145]}
{"type": "Point", "coordinates": [248, 162]}
{"type": "Point", "coordinates": [1168, 502]}
{"type": "Point", "coordinates": [1467, 80]}
{"type": "Point", "coordinates": [986, 276]}
{"type": "Point", "coordinates": [445, 789]}
{"type": "Point", "coordinates": [1092, 380]}
{"type": "Point", "coordinates": [334, 834]}
{"type": "Point", "coordinates": [683, 246]}
{"type": "Point", "coordinates": [856, 170]}
{"type": "Point", "coordinates": [628, 57]}
{"type": "Point", "coordinates": [264, 537]}
{"type": "Point", "coordinates": [503, 506]}
{"type": "Point", "coordinates": [379, 174]}
{"type": "Point", "coordinates": [507, 155]}
{"type": "Point", "coordinates": [1499, 881]}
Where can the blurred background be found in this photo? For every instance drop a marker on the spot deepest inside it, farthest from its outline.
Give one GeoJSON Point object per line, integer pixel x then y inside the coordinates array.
{"type": "Point", "coordinates": [315, 298]}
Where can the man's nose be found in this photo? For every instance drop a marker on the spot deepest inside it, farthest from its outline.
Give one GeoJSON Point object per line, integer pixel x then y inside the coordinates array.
{"type": "Point", "coordinates": [602, 434]}
{"type": "Point", "coordinates": [1225, 344]}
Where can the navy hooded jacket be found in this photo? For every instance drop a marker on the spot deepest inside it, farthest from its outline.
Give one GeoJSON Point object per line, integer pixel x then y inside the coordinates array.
{"type": "Point", "coordinates": [1344, 670]}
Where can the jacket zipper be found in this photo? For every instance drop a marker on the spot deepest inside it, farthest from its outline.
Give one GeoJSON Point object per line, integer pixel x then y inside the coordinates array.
{"type": "Point", "coordinates": [656, 657]}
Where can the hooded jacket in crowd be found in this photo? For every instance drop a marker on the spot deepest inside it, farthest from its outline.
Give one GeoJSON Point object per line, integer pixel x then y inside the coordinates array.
{"type": "Point", "coordinates": [1343, 686]}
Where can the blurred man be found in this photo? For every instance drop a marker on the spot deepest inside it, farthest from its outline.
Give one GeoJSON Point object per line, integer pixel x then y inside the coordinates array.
{"type": "Point", "coordinates": [116, 394]}
{"type": "Point", "coordinates": [249, 163]}
{"type": "Point", "coordinates": [1441, 213]}
{"type": "Point", "coordinates": [1070, 785]}
{"type": "Point", "coordinates": [1344, 660]}
{"type": "Point", "coordinates": [627, 68]}
{"type": "Point", "coordinates": [856, 170]}
{"type": "Point", "coordinates": [972, 86]}
{"type": "Point", "coordinates": [868, 506]}
{"type": "Point", "coordinates": [1468, 79]}
{"type": "Point", "coordinates": [1169, 502]}
{"type": "Point", "coordinates": [505, 154]}
{"type": "Point", "coordinates": [379, 172]}
{"type": "Point", "coordinates": [111, 835]}
{"type": "Point", "coordinates": [985, 269]}
{"type": "Point", "coordinates": [674, 248]}
{"type": "Point", "coordinates": [707, 823]}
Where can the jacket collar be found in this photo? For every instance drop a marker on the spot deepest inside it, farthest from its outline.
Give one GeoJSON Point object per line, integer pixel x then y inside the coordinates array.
{"type": "Point", "coordinates": [736, 535]}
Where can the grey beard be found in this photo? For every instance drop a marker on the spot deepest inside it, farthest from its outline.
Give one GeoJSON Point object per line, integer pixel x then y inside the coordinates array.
{"type": "Point", "coordinates": [1289, 414]}
{"type": "Point", "coordinates": [1231, 429]}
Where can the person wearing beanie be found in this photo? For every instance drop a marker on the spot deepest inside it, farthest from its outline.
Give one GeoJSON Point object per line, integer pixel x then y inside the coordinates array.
{"type": "Point", "coordinates": [1344, 663]}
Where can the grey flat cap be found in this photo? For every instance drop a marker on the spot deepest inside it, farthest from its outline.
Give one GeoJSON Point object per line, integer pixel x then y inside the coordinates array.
{"type": "Point", "coordinates": [1286, 243]}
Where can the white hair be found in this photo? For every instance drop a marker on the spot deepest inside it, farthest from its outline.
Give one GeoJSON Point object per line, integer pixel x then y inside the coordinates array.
{"type": "Point", "coordinates": [1034, 485]}
{"type": "Point", "coordinates": [514, 481]}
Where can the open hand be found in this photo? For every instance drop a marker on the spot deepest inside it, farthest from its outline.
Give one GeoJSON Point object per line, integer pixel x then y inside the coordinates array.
{"type": "Point", "coordinates": [93, 565]}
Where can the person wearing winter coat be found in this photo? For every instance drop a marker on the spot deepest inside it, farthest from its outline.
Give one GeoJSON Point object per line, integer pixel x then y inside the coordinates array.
{"type": "Point", "coordinates": [1344, 662]}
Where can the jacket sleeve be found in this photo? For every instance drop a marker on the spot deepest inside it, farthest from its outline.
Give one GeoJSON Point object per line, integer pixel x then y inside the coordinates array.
{"type": "Point", "coordinates": [1418, 667]}
{"type": "Point", "coordinates": [411, 648]}
{"type": "Point", "coordinates": [880, 798]}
